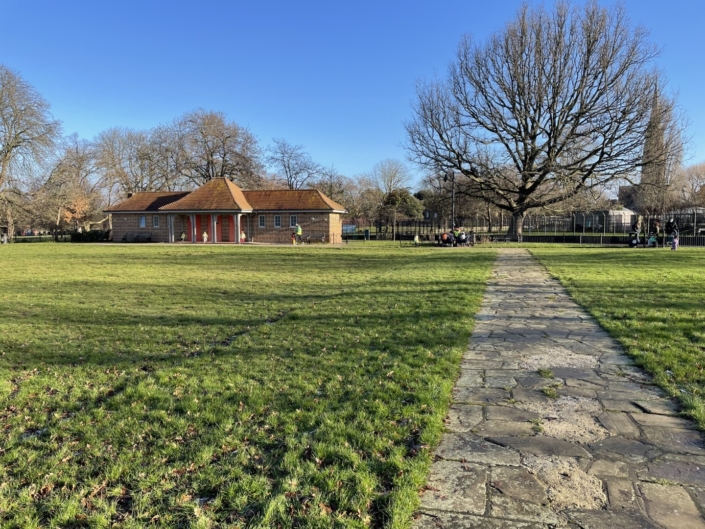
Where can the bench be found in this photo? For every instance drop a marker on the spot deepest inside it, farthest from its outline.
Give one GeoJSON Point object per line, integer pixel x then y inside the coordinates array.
{"type": "Point", "coordinates": [137, 237]}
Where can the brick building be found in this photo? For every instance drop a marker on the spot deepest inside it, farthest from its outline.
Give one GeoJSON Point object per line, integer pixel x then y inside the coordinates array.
{"type": "Point", "coordinates": [222, 210]}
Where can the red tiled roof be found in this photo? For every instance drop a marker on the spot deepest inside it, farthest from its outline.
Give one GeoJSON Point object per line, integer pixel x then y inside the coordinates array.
{"type": "Point", "coordinates": [218, 194]}
{"type": "Point", "coordinates": [148, 201]}
{"type": "Point", "coordinates": [291, 200]}
{"type": "Point", "coordinates": [221, 194]}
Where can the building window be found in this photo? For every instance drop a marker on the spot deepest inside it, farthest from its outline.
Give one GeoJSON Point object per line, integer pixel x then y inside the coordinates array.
{"type": "Point", "coordinates": [261, 221]}
{"type": "Point", "coordinates": [277, 221]}
{"type": "Point", "coordinates": [155, 221]}
{"type": "Point", "coordinates": [292, 221]}
{"type": "Point", "coordinates": [143, 221]}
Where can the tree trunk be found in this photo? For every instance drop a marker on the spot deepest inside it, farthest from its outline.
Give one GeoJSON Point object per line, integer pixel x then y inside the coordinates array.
{"type": "Point", "coordinates": [10, 226]}
{"type": "Point", "coordinates": [515, 225]}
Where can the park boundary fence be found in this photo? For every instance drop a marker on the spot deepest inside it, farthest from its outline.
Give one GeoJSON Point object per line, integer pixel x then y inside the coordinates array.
{"type": "Point", "coordinates": [601, 227]}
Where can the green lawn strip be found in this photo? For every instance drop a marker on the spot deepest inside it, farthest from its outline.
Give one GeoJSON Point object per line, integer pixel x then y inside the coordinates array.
{"type": "Point", "coordinates": [196, 386]}
{"type": "Point", "coordinates": [652, 301]}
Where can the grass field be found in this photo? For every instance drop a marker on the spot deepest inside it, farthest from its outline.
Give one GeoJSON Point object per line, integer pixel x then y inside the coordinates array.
{"type": "Point", "coordinates": [200, 386]}
{"type": "Point", "coordinates": [652, 301]}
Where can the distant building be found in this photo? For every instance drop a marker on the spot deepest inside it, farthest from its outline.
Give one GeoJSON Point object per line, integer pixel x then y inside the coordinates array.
{"type": "Point", "coordinates": [223, 211]}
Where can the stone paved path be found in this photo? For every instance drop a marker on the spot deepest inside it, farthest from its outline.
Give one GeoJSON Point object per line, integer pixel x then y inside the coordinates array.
{"type": "Point", "coordinates": [553, 426]}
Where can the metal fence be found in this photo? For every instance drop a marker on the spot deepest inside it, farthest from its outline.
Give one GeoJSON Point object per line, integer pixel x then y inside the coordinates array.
{"type": "Point", "coordinates": [602, 227]}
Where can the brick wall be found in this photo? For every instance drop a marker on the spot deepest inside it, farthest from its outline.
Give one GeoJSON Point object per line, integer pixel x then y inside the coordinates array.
{"type": "Point", "coordinates": [314, 225]}
{"type": "Point", "coordinates": [124, 223]}
{"type": "Point", "coordinates": [335, 233]}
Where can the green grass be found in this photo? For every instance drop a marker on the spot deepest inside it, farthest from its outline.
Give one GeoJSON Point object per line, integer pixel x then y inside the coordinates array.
{"type": "Point", "coordinates": [200, 386]}
{"type": "Point", "coordinates": [652, 301]}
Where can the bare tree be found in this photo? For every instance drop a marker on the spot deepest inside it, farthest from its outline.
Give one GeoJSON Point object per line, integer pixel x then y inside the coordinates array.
{"type": "Point", "coordinates": [129, 164]}
{"type": "Point", "coordinates": [292, 164]}
{"type": "Point", "coordinates": [28, 134]}
{"type": "Point", "coordinates": [390, 175]}
{"type": "Point", "coordinates": [556, 103]}
{"type": "Point", "coordinates": [70, 194]}
{"type": "Point", "coordinates": [210, 147]}
{"type": "Point", "coordinates": [693, 184]}
{"type": "Point", "coordinates": [334, 185]}
{"type": "Point", "coordinates": [363, 199]}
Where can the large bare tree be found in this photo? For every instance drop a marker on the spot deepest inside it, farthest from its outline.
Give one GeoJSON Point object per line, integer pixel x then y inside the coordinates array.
{"type": "Point", "coordinates": [131, 161]}
{"type": "Point", "coordinates": [557, 102]}
{"type": "Point", "coordinates": [210, 147]}
{"type": "Point", "coordinates": [390, 175]}
{"type": "Point", "coordinates": [70, 194]}
{"type": "Point", "coordinates": [28, 133]}
{"type": "Point", "coordinates": [292, 164]}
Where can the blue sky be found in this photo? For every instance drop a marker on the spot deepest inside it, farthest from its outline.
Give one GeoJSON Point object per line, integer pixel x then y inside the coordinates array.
{"type": "Point", "coordinates": [335, 77]}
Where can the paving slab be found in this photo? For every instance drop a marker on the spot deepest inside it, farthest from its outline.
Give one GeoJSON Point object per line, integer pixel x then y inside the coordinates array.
{"type": "Point", "coordinates": [676, 440]}
{"type": "Point", "coordinates": [619, 424]}
{"type": "Point", "coordinates": [479, 395]}
{"type": "Point", "coordinates": [464, 417]}
{"type": "Point", "coordinates": [661, 407]}
{"type": "Point", "coordinates": [543, 446]}
{"type": "Point", "coordinates": [591, 444]}
{"type": "Point", "coordinates": [672, 507]}
{"type": "Point", "coordinates": [605, 468]}
{"type": "Point", "coordinates": [492, 429]}
{"type": "Point", "coordinates": [621, 495]}
{"type": "Point", "coordinates": [682, 472]}
{"type": "Point", "coordinates": [506, 413]}
{"type": "Point", "coordinates": [662, 421]}
{"type": "Point", "coordinates": [609, 519]}
{"type": "Point", "coordinates": [451, 520]}
{"type": "Point", "coordinates": [473, 449]}
{"type": "Point", "coordinates": [454, 486]}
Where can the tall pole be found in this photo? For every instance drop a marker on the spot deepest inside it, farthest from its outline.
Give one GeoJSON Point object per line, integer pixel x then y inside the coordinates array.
{"type": "Point", "coordinates": [451, 174]}
{"type": "Point", "coordinates": [452, 199]}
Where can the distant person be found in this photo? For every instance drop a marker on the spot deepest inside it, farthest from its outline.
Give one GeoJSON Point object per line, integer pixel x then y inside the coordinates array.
{"type": "Point", "coordinates": [636, 226]}
{"type": "Point", "coordinates": [243, 237]}
{"type": "Point", "coordinates": [462, 239]}
{"type": "Point", "coordinates": [299, 232]}
{"type": "Point", "coordinates": [182, 236]}
{"type": "Point", "coordinates": [674, 243]}
{"type": "Point", "coordinates": [671, 227]}
{"type": "Point", "coordinates": [205, 237]}
{"type": "Point", "coordinates": [3, 239]}
{"type": "Point", "coordinates": [416, 240]}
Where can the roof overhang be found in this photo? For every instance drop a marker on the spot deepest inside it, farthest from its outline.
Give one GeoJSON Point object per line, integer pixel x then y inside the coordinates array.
{"type": "Point", "coordinates": [299, 211]}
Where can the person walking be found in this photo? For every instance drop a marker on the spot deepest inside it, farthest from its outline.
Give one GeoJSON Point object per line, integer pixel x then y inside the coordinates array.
{"type": "Point", "coordinates": [299, 233]}
{"type": "Point", "coordinates": [671, 227]}
{"type": "Point", "coordinates": [205, 236]}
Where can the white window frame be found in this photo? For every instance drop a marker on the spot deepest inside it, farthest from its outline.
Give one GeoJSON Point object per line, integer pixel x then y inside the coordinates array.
{"type": "Point", "coordinates": [277, 221]}
{"type": "Point", "coordinates": [155, 221]}
{"type": "Point", "coordinates": [292, 221]}
{"type": "Point", "coordinates": [262, 221]}
{"type": "Point", "coordinates": [143, 221]}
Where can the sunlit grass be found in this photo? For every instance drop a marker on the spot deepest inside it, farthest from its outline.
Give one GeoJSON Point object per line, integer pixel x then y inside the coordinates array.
{"type": "Point", "coordinates": [652, 301]}
{"type": "Point", "coordinates": [196, 386]}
